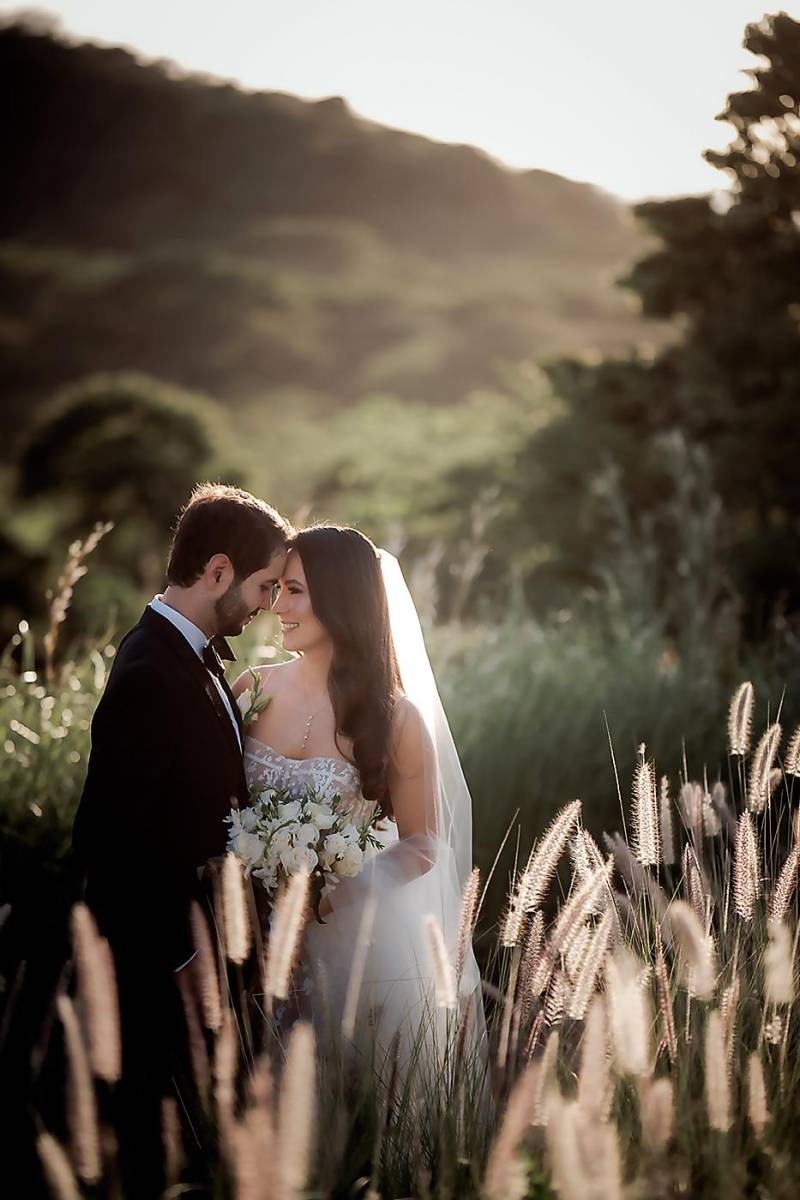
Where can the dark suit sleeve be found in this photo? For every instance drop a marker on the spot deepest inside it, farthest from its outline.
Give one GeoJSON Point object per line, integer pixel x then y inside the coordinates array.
{"type": "Point", "coordinates": [133, 830]}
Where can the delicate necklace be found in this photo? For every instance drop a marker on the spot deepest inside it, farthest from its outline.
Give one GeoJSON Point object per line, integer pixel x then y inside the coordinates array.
{"type": "Point", "coordinates": [310, 722]}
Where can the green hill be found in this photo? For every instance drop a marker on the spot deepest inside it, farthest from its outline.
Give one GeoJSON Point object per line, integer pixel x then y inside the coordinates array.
{"type": "Point", "coordinates": [248, 243]}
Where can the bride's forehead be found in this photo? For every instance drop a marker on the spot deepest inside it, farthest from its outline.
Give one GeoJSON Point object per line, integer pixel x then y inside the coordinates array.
{"type": "Point", "coordinates": [293, 568]}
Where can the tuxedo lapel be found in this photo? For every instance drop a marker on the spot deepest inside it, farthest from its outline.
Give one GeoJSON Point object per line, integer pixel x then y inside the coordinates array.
{"type": "Point", "coordinates": [193, 666]}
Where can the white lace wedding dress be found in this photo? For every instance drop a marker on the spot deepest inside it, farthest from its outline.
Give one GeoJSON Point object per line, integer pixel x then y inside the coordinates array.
{"type": "Point", "coordinates": [377, 933]}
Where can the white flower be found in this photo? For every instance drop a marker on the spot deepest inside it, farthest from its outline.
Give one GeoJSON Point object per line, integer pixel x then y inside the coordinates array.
{"type": "Point", "coordinates": [298, 858]}
{"type": "Point", "coordinates": [322, 816]}
{"type": "Point", "coordinates": [290, 810]}
{"type": "Point", "coordinates": [243, 702]}
{"type": "Point", "coordinates": [351, 861]}
{"type": "Point", "coordinates": [248, 847]}
{"type": "Point", "coordinates": [248, 818]}
{"type": "Point", "coordinates": [283, 838]}
{"type": "Point", "coordinates": [335, 844]}
{"type": "Point", "coordinates": [307, 834]}
{"type": "Point", "coordinates": [268, 876]}
{"type": "Point", "coordinates": [350, 834]}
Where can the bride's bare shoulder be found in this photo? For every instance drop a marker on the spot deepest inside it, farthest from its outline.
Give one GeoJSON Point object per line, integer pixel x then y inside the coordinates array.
{"type": "Point", "coordinates": [411, 742]}
{"type": "Point", "coordinates": [272, 675]}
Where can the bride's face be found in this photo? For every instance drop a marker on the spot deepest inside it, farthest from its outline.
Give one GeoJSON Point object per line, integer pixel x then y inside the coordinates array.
{"type": "Point", "coordinates": [292, 605]}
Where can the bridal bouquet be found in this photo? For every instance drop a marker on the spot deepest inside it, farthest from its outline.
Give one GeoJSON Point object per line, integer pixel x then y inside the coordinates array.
{"type": "Point", "coordinates": [279, 835]}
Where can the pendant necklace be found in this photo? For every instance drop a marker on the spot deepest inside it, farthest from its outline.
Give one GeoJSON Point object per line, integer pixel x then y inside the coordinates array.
{"type": "Point", "coordinates": [309, 723]}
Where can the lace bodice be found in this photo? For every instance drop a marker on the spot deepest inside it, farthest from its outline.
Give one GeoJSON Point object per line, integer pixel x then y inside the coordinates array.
{"type": "Point", "coordinates": [328, 776]}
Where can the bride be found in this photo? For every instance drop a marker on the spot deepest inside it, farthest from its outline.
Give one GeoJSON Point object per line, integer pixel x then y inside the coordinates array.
{"type": "Point", "coordinates": [356, 713]}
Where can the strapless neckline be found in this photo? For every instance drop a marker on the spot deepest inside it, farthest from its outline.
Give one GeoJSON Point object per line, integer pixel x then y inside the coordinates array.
{"type": "Point", "coordinates": [329, 758]}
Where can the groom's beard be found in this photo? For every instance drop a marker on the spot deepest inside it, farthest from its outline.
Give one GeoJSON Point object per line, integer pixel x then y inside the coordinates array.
{"type": "Point", "coordinates": [232, 613]}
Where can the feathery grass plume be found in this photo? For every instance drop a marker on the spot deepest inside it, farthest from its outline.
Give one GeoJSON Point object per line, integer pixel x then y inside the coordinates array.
{"type": "Point", "coordinates": [791, 762]}
{"type": "Point", "coordinates": [286, 926]}
{"type": "Point", "coordinates": [443, 975]}
{"type": "Point", "coordinates": [781, 898]}
{"type": "Point", "coordinates": [97, 988]}
{"type": "Point", "coordinates": [757, 1109]}
{"type": "Point", "coordinates": [638, 880]}
{"type": "Point", "coordinates": [540, 1109]}
{"type": "Point", "coordinates": [594, 1077]}
{"type": "Point", "coordinates": [171, 1139]}
{"type": "Point", "coordinates": [505, 1177]}
{"type": "Point", "coordinates": [205, 970]}
{"type": "Point", "coordinates": [693, 884]}
{"type": "Point", "coordinates": [746, 878]}
{"type": "Point", "coordinates": [696, 948]}
{"type": "Point", "coordinates": [665, 1007]}
{"type": "Point", "coordinates": [718, 1091]}
{"type": "Point", "coordinates": [778, 973]}
{"type": "Point", "coordinates": [759, 782]}
{"type": "Point", "coordinates": [57, 1168]}
{"type": "Point", "coordinates": [563, 1140]}
{"type": "Point", "coordinates": [81, 1104]}
{"type": "Point", "coordinates": [467, 918]}
{"type": "Point", "coordinates": [719, 802]}
{"type": "Point", "coordinates": [591, 965]}
{"type": "Point", "coordinates": [237, 926]}
{"type": "Point", "coordinates": [629, 1018]}
{"type": "Point", "coordinates": [225, 1061]}
{"type": "Point", "coordinates": [646, 840]}
{"type": "Point", "coordinates": [580, 905]}
{"type": "Point", "coordinates": [296, 1109]}
{"type": "Point", "coordinates": [531, 956]}
{"type": "Point", "coordinates": [359, 961]}
{"type": "Point", "coordinates": [657, 1110]}
{"type": "Point", "coordinates": [198, 1051]}
{"type": "Point", "coordinates": [556, 999]}
{"type": "Point", "coordinates": [711, 822]}
{"type": "Point", "coordinates": [256, 1154]}
{"type": "Point", "coordinates": [74, 569]}
{"type": "Point", "coordinates": [690, 802]}
{"type": "Point", "coordinates": [577, 950]}
{"type": "Point", "coordinates": [547, 851]}
{"type": "Point", "coordinates": [728, 1010]}
{"type": "Point", "coordinates": [740, 720]}
{"type": "Point", "coordinates": [665, 822]}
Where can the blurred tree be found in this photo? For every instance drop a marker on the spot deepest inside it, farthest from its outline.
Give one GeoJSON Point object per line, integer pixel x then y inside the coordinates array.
{"type": "Point", "coordinates": [124, 448]}
{"type": "Point", "coordinates": [729, 276]}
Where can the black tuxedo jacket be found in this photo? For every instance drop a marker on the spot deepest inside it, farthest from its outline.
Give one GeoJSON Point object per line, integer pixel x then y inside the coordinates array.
{"type": "Point", "coordinates": [164, 770]}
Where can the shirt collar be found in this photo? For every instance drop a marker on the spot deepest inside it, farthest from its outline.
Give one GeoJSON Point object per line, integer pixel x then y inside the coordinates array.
{"type": "Point", "coordinates": [195, 636]}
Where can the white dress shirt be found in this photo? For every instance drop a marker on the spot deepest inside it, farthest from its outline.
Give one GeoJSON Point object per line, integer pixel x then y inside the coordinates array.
{"type": "Point", "coordinates": [198, 640]}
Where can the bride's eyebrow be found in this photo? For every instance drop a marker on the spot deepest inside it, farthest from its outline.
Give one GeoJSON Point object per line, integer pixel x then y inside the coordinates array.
{"type": "Point", "coordinates": [296, 582]}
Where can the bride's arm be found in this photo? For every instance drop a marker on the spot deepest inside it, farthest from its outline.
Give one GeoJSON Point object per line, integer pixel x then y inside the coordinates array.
{"type": "Point", "coordinates": [411, 774]}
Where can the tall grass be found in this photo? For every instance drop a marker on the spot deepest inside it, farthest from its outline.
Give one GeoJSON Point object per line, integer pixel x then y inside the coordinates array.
{"type": "Point", "coordinates": [643, 1039]}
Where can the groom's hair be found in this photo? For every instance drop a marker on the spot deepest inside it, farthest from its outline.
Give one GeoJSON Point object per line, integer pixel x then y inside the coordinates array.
{"type": "Point", "coordinates": [219, 519]}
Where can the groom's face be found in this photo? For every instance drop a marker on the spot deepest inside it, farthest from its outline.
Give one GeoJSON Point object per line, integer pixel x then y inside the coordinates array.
{"type": "Point", "coordinates": [246, 598]}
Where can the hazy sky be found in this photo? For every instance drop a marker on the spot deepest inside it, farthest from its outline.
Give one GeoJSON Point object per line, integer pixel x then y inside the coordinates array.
{"type": "Point", "coordinates": [619, 92]}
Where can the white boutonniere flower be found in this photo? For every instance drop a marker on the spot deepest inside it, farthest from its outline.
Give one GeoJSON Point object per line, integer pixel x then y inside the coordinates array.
{"type": "Point", "coordinates": [251, 702]}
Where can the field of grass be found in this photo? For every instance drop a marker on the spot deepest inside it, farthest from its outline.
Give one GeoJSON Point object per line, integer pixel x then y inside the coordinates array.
{"type": "Point", "coordinates": [639, 989]}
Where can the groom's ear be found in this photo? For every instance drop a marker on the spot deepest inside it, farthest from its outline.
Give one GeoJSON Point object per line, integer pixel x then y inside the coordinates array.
{"type": "Point", "coordinates": [218, 573]}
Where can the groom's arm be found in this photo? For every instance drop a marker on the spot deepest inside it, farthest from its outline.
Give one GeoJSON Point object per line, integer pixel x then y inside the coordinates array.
{"type": "Point", "coordinates": [133, 827]}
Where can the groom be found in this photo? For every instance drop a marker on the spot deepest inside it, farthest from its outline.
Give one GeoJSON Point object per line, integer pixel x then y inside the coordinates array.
{"type": "Point", "coordinates": [164, 770]}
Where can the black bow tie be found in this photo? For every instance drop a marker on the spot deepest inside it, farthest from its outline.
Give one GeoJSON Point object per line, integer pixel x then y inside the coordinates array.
{"type": "Point", "coordinates": [215, 652]}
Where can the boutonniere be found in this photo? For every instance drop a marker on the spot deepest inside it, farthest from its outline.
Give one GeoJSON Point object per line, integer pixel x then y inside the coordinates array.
{"type": "Point", "coordinates": [251, 701]}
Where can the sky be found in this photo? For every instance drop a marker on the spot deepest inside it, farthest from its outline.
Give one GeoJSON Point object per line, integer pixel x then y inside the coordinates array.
{"type": "Point", "coordinates": [620, 93]}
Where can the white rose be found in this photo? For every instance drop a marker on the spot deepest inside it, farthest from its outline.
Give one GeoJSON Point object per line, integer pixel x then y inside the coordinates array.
{"type": "Point", "coordinates": [298, 858]}
{"type": "Point", "coordinates": [248, 847]}
{"type": "Point", "coordinates": [282, 838]}
{"type": "Point", "coordinates": [290, 810]}
{"type": "Point", "coordinates": [350, 834]}
{"type": "Point", "coordinates": [335, 844]}
{"type": "Point", "coordinates": [351, 861]}
{"type": "Point", "coordinates": [243, 702]}
{"type": "Point", "coordinates": [307, 834]}
{"type": "Point", "coordinates": [322, 816]}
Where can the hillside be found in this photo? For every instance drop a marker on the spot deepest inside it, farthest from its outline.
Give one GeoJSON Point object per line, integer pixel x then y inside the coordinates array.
{"type": "Point", "coordinates": [247, 243]}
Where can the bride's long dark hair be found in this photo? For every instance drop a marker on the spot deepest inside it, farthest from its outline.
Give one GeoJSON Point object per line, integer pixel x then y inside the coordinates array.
{"type": "Point", "coordinates": [347, 594]}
